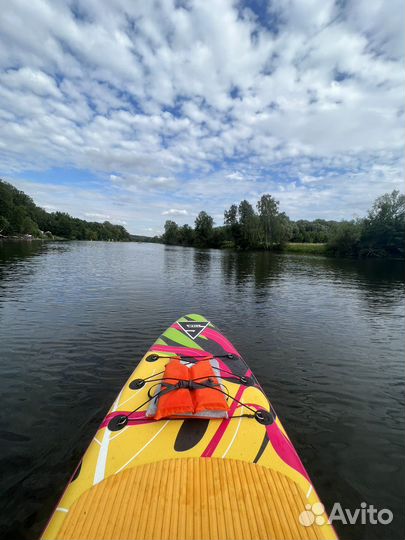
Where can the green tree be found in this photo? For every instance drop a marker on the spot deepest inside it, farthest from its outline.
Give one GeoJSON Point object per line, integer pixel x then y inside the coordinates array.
{"type": "Point", "coordinates": [19, 215]}
{"type": "Point", "coordinates": [28, 226]}
{"type": "Point", "coordinates": [4, 224]}
{"type": "Point", "coordinates": [268, 213]}
{"type": "Point", "coordinates": [384, 228]}
{"type": "Point", "coordinates": [171, 234]}
{"type": "Point", "coordinates": [231, 215]}
{"type": "Point", "coordinates": [249, 226]}
{"type": "Point", "coordinates": [274, 226]}
{"type": "Point", "coordinates": [317, 231]}
{"type": "Point", "coordinates": [6, 200]}
{"type": "Point", "coordinates": [203, 229]}
{"type": "Point", "coordinates": [345, 239]}
{"type": "Point", "coordinates": [232, 226]}
{"type": "Point", "coordinates": [186, 235]}
{"type": "Point", "coordinates": [219, 237]}
{"type": "Point", "coordinates": [24, 217]}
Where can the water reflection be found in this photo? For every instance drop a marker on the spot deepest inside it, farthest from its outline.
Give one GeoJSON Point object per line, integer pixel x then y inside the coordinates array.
{"type": "Point", "coordinates": [10, 250]}
{"type": "Point", "coordinates": [260, 269]}
{"type": "Point", "coordinates": [381, 282]}
{"type": "Point", "coordinates": [237, 268]}
{"type": "Point", "coordinates": [202, 264]}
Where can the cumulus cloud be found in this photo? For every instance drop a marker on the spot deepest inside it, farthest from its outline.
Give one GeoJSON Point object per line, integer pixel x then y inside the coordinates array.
{"type": "Point", "coordinates": [175, 212]}
{"type": "Point", "coordinates": [203, 102]}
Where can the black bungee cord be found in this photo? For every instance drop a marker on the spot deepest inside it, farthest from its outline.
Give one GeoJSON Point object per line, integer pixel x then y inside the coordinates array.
{"type": "Point", "coordinates": [121, 421]}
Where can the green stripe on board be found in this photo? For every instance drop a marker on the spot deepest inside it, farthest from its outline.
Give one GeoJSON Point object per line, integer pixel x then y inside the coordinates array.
{"type": "Point", "coordinates": [160, 341]}
{"type": "Point", "coordinates": [180, 338]}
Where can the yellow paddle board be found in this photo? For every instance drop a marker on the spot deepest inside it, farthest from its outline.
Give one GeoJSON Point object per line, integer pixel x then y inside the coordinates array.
{"type": "Point", "coordinates": [237, 477]}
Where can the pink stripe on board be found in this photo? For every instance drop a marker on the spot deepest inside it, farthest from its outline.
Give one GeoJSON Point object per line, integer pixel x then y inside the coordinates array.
{"type": "Point", "coordinates": [176, 326]}
{"type": "Point", "coordinates": [285, 449]}
{"type": "Point", "coordinates": [185, 351]}
{"type": "Point", "coordinates": [221, 429]}
{"type": "Point", "coordinates": [136, 418]}
{"type": "Point", "coordinates": [221, 340]}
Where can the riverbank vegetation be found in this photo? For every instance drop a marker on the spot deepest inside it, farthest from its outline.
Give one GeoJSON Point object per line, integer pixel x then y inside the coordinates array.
{"type": "Point", "coordinates": [20, 216]}
{"type": "Point", "coordinates": [380, 234]}
{"type": "Point", "coordinates": [308, 248]}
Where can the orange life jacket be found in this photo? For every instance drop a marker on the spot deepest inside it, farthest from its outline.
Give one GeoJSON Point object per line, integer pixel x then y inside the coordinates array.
{"type": "Point", "coordinates": [184, 402]}
{"type": "Point", "coordinates": [206, 399]}
{"type": "Point", "coordinates": [175, 402]}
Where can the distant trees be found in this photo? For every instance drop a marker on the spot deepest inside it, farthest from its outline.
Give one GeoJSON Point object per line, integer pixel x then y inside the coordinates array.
{"type": "Point", "coordinates": [275, 225]}
{"type": "Point", "coordinates": [344, 240]}
{"type": "Point", "coordinates": [267, 229]}
{"type": "Point", "coordinates": [317, 231]}
{"type": "Point", "coordinates": [20, 215]}
{"type": "Point", "coordinates": [381, 233]}
{"type": "Point", "coordinates": [232, 225]}
{"type": "Point", "coordinates": [186, 235]}
{"type": "Point", "coordinates": [4, 224]}
{"type": "Point", "coordinates": [243, 228]}
{"type": "Point", "coordinates": [171, 234]}
{"type": "Point", "coordinates": [248, 226]}
{"type": "Point", "coordinates": [203, 230]}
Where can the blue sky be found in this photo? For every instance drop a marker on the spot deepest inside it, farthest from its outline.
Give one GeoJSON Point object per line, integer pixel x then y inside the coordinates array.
{"type": "Point", "coordinates": [137, 112]}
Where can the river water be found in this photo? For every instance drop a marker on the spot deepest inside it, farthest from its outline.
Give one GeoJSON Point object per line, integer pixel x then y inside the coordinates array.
{"type": "Point", "coordinates": [325, 337]}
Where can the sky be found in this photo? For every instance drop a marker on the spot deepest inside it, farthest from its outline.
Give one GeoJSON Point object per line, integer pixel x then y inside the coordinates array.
{"type": "Point", "coordinates": [141, 111]}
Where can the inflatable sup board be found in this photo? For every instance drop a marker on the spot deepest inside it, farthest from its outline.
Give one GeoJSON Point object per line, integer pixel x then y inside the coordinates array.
{"type": "Point", "coordinates": [190, 449]}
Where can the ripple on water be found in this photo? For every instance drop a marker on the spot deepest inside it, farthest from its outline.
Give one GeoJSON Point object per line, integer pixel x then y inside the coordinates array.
{"type": "Point", "coordinates": [324, 337]}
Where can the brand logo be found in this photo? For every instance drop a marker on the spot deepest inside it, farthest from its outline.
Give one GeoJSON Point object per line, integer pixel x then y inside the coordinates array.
{"type": "Point", "coordinates": [192, 328]}
{"type": "Point", "coordinates": [312, 514]}
{"type": "Point", "coordinates": [315, 514]}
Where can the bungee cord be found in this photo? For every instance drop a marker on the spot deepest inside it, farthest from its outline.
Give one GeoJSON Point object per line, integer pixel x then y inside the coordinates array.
{"type": "Point", "coordinates": [191, 384]}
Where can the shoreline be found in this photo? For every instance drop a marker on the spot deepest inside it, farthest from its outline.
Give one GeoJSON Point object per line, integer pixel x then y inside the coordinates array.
{"type": "Point", "coordinates": [291, 248]}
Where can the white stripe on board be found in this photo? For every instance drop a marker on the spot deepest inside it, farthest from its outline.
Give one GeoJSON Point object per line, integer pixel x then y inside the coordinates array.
{"type": "Point", "coordinates": [309, 491]}
{"type": "Point", "coordinates": [102, 456]}
{"type": "Point", "coordinates": [60, 509]}
{"type": "Point", "coordinates": [234, 437]}
{"type": "Point", "coordinates": [115, 404]}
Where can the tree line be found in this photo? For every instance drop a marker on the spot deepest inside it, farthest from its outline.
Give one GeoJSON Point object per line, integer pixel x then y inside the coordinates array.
{"type": "Point", "coordinates": [19, 215]}
{"type": "Point", "coordinates": [380, 234]}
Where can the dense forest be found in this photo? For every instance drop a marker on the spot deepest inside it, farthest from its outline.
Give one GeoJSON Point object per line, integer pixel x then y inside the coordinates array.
{"type": "Point", "coordinates": [19, 215]}
{"type": "Point", "coordinates": [380, 234]}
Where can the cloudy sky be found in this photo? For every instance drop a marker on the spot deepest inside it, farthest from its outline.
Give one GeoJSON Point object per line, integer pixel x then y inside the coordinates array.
{"type": "Point", "coordinates": [140, 111]}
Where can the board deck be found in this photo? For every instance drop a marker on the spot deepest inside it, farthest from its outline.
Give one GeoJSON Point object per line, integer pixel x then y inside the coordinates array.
{"type": "Point", "coordinates": [238, 477]}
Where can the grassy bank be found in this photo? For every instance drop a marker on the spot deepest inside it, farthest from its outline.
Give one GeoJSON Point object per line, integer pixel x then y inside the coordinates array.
{"type": "Point", "coordinates": [313, 249]}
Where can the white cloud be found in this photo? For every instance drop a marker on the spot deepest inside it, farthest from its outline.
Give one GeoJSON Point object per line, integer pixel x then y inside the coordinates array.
{"type": "Point", "coordinates": [175, 212]}
{"type": "Point", "coordinates": [30, 80]}
{"type": "Point", "coordinates": [206, 99]}
{"type": "Point", "coordinates": [234, 176]}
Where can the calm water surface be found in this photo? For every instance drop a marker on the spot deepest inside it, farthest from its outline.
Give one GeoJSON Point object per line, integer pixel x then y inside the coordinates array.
{"type": "Point", "coordinates": [325, 337]}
